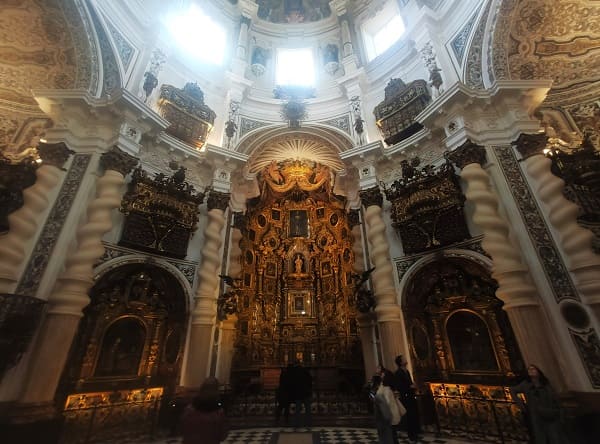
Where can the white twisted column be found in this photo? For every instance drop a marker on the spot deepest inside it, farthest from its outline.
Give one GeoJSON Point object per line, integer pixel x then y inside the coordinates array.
{"type": "Point", "coordinates": [25, 221]}
{"type": "Point", "coordinates": [205, 302]}
{"type": "Point", "coordinates": [387, 310]}
{"type": "Point", "coordinates": [515, 287]}
{"type": "Point", "coordinates": [574, 240]}
{"type": "Point", "coordinates": [70, 294]}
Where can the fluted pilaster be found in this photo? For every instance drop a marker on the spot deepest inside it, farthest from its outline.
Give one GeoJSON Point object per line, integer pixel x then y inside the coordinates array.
{"type": "Point", "coordinates": [366, 328]}
{"type": "Point", "coordinates": [25, 221]}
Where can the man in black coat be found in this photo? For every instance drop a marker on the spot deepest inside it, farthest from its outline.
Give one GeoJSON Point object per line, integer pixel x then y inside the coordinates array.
{"type": "Point", "coordinates": [301, 393]}
{"type": "Point", "coordinates": [405, 386]}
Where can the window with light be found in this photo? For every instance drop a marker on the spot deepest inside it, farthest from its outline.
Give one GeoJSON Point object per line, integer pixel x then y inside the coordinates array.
{"type": "Point", "coordinates": [295, 67]}
{"type": "Point", "coordinates": [382, 31]}
{"type": "Point", "coordinates": [189, 30]}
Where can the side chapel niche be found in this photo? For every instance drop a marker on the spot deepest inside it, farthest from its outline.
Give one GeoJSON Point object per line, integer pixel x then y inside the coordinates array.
{"type": "Point", "coordinates": [295, 300]}
{"type": "Point", "coordinates": [132, 333]}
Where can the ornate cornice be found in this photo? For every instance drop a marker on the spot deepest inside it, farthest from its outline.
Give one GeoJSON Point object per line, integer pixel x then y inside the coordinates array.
{"type": "Point", "coordinates": [118, 160]}
{"type": "Point", "coordinates": [466, 154]}
{"type": "Point", "coordinates": [55, 154]}
{"type": "Point", "coordinates": [371, 196]}
{"type": "Point", "coordinates": [531, 144]}
{"type": "Point", "coordinates": [218, 200]}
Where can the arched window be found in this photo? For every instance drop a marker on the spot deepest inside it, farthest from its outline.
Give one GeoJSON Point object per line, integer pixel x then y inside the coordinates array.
{"type": "Point", "coordinates": [122, 348]}
{"type": "Point", "coordinates": [470, 343]}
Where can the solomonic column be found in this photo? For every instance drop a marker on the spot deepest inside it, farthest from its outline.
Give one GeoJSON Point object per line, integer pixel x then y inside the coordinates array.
{"type": "Point", "coordinates": [574, 241]}
{"type": "Point", "coordinates": [25, 222]}
{"type": "Point", "coordinates": [515, 287]}
{"type": "Point", "coordinates": [387, 309]}
{"type": "Point", "coordinates": [205, 303]}
{"type": "Point", "coordinates": [70, 294]}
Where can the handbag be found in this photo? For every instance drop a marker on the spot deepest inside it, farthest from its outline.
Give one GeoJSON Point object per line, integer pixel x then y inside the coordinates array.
{"type": "Point", "coordinates": [401, 408]}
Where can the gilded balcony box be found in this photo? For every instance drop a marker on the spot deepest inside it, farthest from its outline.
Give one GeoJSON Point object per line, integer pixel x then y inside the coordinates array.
{"type": "Point", "coordinates": [191, 120]}
{"type": "Point", "coordinates": [395, 116]}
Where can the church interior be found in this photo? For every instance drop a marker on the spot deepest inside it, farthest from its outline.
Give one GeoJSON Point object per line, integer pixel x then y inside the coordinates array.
{"type": "Point", "coordinates": [221, 188]}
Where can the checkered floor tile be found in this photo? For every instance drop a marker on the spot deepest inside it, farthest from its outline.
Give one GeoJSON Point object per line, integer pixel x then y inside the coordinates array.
{"type": "Point", "coordinates": [320, 435]}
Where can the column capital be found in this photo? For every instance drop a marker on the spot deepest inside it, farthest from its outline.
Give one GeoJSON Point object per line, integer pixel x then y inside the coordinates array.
{"type": "Point", "coordinates": [218, 200]}
{"type": "Point", "coordinates": [117, 160]}
{"type": "Point", "coordinates": [371, 196]}
{"type": "Point", "coordinates": [339, 6]}
{"type": "Point", "coordinates": [466, 154]}
{"type": "Point", "coordinates": [531, 144]}
{"type": "Point", "coordinates": [55, 154]}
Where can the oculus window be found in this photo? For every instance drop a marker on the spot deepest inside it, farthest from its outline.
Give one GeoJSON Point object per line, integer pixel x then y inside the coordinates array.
{"type": "Point", "coordinates": [295, 67]}
{"type": "Point", "coordinates": [382, 31]}
{"type": "Point", "coordinates": [189, 30]}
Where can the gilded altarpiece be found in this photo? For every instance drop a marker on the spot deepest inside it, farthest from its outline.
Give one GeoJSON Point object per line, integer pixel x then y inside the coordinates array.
{"type": "Point", "coordinates": [127, 354]}
{"type": "Point", "coordinates": [296, 296]}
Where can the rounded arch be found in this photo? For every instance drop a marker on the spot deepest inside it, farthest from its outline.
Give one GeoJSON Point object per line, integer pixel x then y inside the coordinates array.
{"type": "Point", "coordinates": [103, 269]}
{"type": "Point", "coordinates": [483, 261]}
{"type": "Point", "coordinates": [121, 347]}
{"type": "Point", "coordinates": [468, 340]}
{"type": "Point", "coordinates": [320, 143]}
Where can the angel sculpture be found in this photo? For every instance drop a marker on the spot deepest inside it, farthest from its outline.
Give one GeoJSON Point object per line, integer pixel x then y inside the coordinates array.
{"type": "Point", "coordinates": [232, 282]}
{"type": "Point", "coordinates": [363, 297]}
{"type": "Point", "coordinates": [227, 303]}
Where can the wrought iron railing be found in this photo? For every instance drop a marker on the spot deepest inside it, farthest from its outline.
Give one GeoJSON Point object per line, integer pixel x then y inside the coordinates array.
{"type": "Point", "coordinates": [110, 416]}
{"type": "Point", "coordinates": [478, 412]}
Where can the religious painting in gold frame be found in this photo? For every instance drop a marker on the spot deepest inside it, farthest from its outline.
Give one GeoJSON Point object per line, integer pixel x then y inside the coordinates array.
{"type": "Point", "coordinates": [299, 303]}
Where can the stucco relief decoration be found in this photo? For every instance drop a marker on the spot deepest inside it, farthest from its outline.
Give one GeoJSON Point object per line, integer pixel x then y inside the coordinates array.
{"type": "Point", "coordinates": [546, 39]}
{"type": "Point", "coordinates": [29, 59]}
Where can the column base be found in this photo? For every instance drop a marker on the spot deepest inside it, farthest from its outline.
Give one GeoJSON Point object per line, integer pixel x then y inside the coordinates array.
{"type": "Point", "coordinates": [30, 423]}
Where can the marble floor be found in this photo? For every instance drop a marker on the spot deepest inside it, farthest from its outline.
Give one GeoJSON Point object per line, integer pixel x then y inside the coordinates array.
{"type": "Point", "coordinates": [314, 435]}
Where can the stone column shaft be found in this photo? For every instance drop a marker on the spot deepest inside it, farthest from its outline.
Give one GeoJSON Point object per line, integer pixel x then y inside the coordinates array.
{"type": "Point", "coordinates": [387, 309]}
{"type": "Point", "coordinates": [366, 326]}
{"type": "Point", "coordinates": [574, 241]}
{"type": "Point", "coordinates": [70, 294]}
{"type": "Point", "coordinates": [25, 222]}
{"type": "Point", "coordinates": [205, 303]}
{"type": "Point", "coordinates": [515, 287]}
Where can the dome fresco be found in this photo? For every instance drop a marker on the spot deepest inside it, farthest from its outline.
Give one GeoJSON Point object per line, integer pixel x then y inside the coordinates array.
{"type": "Point", "coordinates": [293, 11]}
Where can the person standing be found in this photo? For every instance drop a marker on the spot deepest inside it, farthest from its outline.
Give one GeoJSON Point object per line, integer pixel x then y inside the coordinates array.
{"type": "Point", "coordinates": [301, 393]}
{"type": "Point", "coordinates": [283, 395]}
{"type": "Point", "coordinates": [541, 407]}
{"type": "Point", "coordinates": [404, 385]}
{"type": "Point", "coordinates": [383, 414]}
{"type": "Point", "coordinates": [204, 420]}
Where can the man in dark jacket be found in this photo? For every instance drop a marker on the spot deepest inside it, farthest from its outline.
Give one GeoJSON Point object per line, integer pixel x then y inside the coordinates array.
{"type": "Point", "coordinates": [301, 393]}
{"type": "Point", "coordinates": [405, 386]}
